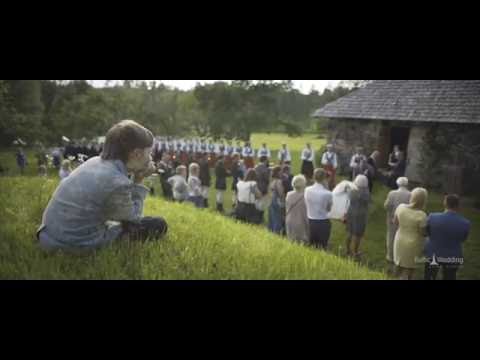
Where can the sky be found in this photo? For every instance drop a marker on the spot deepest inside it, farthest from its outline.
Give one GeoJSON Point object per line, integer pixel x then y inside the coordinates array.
{"type": "Point", "coordinates": [303, 85]}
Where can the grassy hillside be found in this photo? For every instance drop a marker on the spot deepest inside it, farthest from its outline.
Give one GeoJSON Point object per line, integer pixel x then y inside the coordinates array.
{"type": "Point", "coordinates": [200, 245]}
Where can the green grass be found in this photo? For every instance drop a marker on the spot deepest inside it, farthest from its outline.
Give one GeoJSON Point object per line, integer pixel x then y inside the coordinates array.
{"type": "Point", "coordinates": [201, 244]}
{"type": "Point", "coordinates": [297, 144]}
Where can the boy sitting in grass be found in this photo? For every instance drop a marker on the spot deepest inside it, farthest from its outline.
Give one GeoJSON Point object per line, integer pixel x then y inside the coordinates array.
{"type": "Point", "coordinates": [99, 203]}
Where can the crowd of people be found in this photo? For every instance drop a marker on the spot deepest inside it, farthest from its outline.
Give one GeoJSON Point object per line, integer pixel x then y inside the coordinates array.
{"type": "Point", "coordinates": [62, 158]}
{"type": "Point", "coordinates": [300, 207]}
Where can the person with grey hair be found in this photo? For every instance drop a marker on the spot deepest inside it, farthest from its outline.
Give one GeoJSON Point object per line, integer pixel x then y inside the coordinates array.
{"type": "Point", "coordinates": [394, 199]}
{"type": "Point", "coordinates": [296, 211]}
{"type": "Point", "coordinates": [357, 215]}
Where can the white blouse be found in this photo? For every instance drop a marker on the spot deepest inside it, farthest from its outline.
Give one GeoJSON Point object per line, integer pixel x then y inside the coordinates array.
{"type": "Point", "coordinates": [246, 191]}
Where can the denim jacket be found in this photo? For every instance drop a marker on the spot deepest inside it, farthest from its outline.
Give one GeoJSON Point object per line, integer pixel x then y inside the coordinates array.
{"type": "Point", "coordinates": [88, 207]}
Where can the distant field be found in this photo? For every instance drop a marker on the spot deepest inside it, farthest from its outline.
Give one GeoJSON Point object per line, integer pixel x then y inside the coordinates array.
{"type": "Point", "coordinates": [275, 140]}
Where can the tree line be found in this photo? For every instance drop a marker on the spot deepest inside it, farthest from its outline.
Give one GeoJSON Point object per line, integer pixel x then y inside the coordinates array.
{"type": "Point", "coordinates": [46, 110]}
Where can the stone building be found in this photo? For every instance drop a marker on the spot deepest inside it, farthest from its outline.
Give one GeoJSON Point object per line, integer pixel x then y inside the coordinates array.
{"type": "Point", "coordinates": [385, 113]}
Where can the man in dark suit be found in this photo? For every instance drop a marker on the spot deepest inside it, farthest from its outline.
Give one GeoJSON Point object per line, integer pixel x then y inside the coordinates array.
{"type": "Point", "coordinates": [447, 232]}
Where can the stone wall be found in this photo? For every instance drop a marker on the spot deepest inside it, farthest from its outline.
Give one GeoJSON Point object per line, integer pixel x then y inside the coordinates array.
{"type": "Point", "coordinates": [346, 135]}
{"type": "Point", "coordinates": [414, 154]}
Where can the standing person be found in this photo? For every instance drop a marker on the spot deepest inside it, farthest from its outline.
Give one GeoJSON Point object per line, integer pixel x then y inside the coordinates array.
{"type": "Point", "coordinates": [41, 155]}
{"type": "Point", "coordinates": [205, 178]}
{"type": "Point", "coordinates": [212, 157]}
{"type": "Point", "coordinates": [21, 160]}
{"type": "Point", "coordinates": [221, 174]}
{"type": "Point", "coordinates": [410, 238]}
{"type": "Point", "coordinates": [65, 170]}
{"type": "Point", "coordinates": [372, 164]}
{"type": "Point", "coordinates": [157, 151]}
{"type": "Point", "coordinates": [393, 156]}
{"type": "Point", "coordinates": [239, 148]}
{"type": "Point", "coordinates": [109, 206]}
{"type": "Point", "coordinates": [184, 154]}
{"type": "Point", "coordinates": [319, 202]}
{"type": "Point", "coordinates": [264, 151]}
{"type": "Point", "coordinates": [171, 148]}
{"type": "Point", "coordinates": [165, 169]}
{"type": "Point", "coordinates": [357, 215]}
{"type": "Point", "coordinates": [2, 170]}
{"type": "Point", "coordinates": [179, 184]}
{"type": "Point", "coordinates": [237, 174]}
{"type": "Point", "coordinates": [308, 162]}
{"type": "Point", "coordinates": [296, 220]}
{"type": "Point", "coordinates": [249, 156]}
{"type": "Point", "coordinates": [195, 186]}
{"type": "Point", "coordinates": [275, 213]}
{"type": "Point", "coordinates": [57, 158]}
{"type": "Point", "coordinates": [394, 199]}
{"type": "Point", "coordinates": [284, 156]}
{"type": "Point", "coordinates": [190, 151]}
{"type": "Point", "coordinates": [221, 150]}
{"type": "Point", "coordinates": [367, 170]}
{"type": "Point", "coordinates": [263, 180]}
{"type": "Point", "coordinates": [330, 165]}
{"type": "Point", "coordinates": [356, 161]}
{"type": "Point", "coordinates": [447, 232]}
{"type": "Point", "coordinates": [287, 178]}
{"type": "Point", "coordinates": [248, 194]}
{"type": "Point", "coordinates": [42, 171]}
{"type": "Point", "coordinates": [229, 151]}
{"type": "Point", "coordinates": [398, 170]}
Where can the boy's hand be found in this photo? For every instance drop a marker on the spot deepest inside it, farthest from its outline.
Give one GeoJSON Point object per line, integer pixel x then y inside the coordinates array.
{"type": "Point", "coordinates": [141, 175]}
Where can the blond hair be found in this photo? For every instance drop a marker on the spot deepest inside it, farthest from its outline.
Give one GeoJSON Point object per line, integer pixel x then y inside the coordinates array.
{"type": "Point", "coordinates": [419, 198]}
{"type": "Point", "coordinates": [194, 169]}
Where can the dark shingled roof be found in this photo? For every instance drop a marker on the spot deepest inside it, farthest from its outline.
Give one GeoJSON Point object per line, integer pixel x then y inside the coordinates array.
{"type": "Point", "coordinates": [444, 101]}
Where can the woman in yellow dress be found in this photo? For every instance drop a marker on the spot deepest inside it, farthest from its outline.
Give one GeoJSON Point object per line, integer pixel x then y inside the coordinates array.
{"type": "Point", "coordinates": [410, 238]}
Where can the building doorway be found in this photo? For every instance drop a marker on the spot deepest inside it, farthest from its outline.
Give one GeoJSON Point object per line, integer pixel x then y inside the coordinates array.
{"type": "Point", "coordinates": [399, 135]}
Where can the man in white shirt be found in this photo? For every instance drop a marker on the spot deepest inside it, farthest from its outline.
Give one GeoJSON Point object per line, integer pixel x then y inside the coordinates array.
{"type": "Point", "coordinates": [264, 151]}
{"type": "Point", "coordinates": [249, 156]}
{"type": "Point", "coordinates": [284, 156]}
{"type": "Point", "coordinates": [356, 162]}
{"type": "Point", "coordinates": [308, 161]}
{"type": "Point", "coordinates": [239, 148]}
{"type": "Point", "coordinates": [220, 150]}
{"type": "Point", "coordinates": [330, 165]}
{"type": "Point", "coordinates": [319, 201]}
